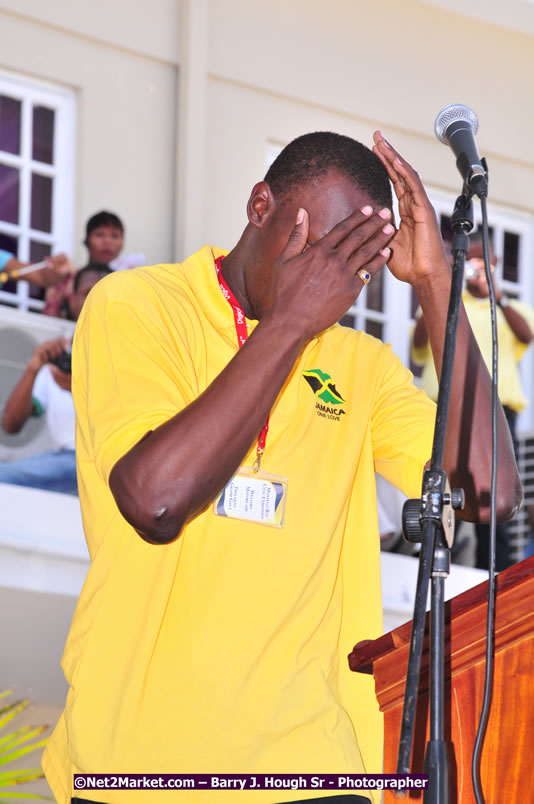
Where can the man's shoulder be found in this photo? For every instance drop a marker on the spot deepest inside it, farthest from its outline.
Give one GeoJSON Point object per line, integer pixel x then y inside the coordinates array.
{"type": "Point", "coordinates": [359, 350]}
{"type": "Point", "coordinates": [127, 285]}
{"type": "Point", "coordinates": [161, 282]}
{"type": "Point", "coordinates": [339, 336]}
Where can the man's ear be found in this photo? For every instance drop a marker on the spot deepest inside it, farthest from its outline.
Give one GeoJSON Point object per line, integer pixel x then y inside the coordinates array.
{"type": "Point", "coordinates": [260, 204]}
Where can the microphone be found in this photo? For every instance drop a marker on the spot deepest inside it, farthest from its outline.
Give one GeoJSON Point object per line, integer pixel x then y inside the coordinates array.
{"type": "Point", "coordinates": [456, 126]}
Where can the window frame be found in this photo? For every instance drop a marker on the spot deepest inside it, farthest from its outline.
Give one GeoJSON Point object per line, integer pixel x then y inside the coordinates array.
{"type": "Point", "coordinates": [62, 100]}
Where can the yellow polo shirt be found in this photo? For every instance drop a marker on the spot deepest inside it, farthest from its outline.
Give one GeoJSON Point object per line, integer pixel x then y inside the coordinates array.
{"type": "Point", "coordinates": [510, 350]}
{"type": "Point", "coordinates": [226, 651]}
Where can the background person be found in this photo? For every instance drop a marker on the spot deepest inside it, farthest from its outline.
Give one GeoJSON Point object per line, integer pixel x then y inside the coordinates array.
{"type": "Point", "coordinates": [515, 327]}
{"type": "Point", "coordinates": [225, 640]}
{"type": "Point", "coordinates": [45, 388]}
{"type": "Point", "coordinates": [104, 239]}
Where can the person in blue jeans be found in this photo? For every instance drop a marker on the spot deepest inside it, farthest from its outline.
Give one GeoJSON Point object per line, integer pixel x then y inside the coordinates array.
{"type": "Point", "coordinates": [45, 389]}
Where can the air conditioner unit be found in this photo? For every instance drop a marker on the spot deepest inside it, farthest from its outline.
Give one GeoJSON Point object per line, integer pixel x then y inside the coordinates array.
{"type": "Point", "coordinates": [520, 527]}
{"type": "Point", "coordinates": [20, 333]}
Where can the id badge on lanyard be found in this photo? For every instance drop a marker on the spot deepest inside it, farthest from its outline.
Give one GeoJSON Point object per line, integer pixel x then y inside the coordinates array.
{"type": "Point", "coordinates": [252, 494]}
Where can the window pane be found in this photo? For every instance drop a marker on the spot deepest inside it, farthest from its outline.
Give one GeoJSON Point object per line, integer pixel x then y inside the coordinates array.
{"type": "Point", "coordinates": [510, 269]}
{"type": "Point", "coordinates": [10, 124]}
{"type": "Point", "coordinates": [9, 243]}
{"type": "Point", "coordinates": [9, 194]}
{"type": "Point", "coordinates": [38, 251]}
{"type": "Point", "coordinates": [374, 328]}
{"type": "Point", "coordinates": [375, 293]}
{"type": "Point", "coordinates": [43, 134]}
{"type": "Point", "coordinates": [348, 320]}
{"type": "Point", "coordinates": [41, 215]}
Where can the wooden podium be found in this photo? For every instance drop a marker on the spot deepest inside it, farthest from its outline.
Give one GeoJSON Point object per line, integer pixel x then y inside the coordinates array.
{"type": "Point", "coordinates": [507, 767]}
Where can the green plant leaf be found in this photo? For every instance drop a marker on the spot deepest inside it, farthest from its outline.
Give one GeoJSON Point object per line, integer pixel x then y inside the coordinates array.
{"type": "Point", "coordinates": [9, 712]}
{"type": "Point", "coordinates": [21, 736]}
{"type": "Point", "coordinates": [17, 744]}
{"type": "Point", "coordinates": [8, 778]}
{"type": "Point", "coordinates": [21, 752]}
{"type": "Point", "coordinates": [10, 736]}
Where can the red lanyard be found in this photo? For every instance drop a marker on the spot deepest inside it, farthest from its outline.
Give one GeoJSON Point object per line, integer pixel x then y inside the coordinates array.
{"type": "Point", "coordinates": [242, 335]}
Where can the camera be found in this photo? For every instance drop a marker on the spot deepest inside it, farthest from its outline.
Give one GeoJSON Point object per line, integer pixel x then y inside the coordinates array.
{"type": "Point", "coordinates": [63, 362]}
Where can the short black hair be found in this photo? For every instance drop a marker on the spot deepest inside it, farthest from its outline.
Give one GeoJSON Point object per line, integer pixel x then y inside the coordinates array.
{"type": "Point", "coordinates": [91, 268]}
{"type": "Point", "coordinates": [103, 218]}
{"type": "Point", "coordinates": [311, 156]}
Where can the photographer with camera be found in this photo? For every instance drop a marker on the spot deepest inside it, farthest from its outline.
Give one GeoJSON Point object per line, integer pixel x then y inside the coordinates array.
{"type": "Point", "coordinates": [45, 387]}
{"type": "Point", "coordinates": [515, 328]}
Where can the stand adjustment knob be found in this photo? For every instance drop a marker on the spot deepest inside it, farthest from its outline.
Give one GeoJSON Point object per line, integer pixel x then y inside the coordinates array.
{"type": "Point", "coordinates": [455, 498]}
{"type": "Point", "coordinates": [458, 499]}
{"type": "Point", "coordinates": [411, 526]}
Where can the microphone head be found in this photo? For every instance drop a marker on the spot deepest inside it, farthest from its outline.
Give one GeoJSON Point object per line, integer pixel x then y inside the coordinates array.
{"type": "Point", "coordinates": [451, 114]}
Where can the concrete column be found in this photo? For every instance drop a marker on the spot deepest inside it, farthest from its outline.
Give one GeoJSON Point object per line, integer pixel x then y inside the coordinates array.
{"type": "Point", "coordinates": [191, 127]}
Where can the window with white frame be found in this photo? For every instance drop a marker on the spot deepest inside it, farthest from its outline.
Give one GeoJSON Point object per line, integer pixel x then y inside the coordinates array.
{"type": "Point", "coordinates": [37, 133]}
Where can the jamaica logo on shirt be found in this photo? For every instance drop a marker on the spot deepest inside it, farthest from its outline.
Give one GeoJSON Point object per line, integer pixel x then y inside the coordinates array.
{"type": "Point", "coordinates": [323, 387]}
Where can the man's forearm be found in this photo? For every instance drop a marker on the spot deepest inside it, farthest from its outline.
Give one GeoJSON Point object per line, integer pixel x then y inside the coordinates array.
{"type": "Point", "coordinates": [174, 472]}
{"type": "Point", "coordinates": [517, 324]}
{"type": "Point", "coordinates": [420, 335]}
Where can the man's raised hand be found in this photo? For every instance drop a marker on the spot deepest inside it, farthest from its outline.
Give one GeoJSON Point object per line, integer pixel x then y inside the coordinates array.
{"type": "Point", "coordinates": [318, 282]}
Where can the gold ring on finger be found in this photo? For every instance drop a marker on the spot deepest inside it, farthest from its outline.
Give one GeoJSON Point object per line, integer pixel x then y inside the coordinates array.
{"type": "Point", "coordinates": [364, 275]}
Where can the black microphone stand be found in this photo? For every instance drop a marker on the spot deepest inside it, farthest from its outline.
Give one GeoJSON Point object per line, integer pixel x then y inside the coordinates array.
{"type": "Point", "coordinates": [430, 520]}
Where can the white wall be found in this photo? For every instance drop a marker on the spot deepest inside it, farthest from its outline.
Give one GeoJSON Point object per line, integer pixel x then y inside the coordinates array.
{"type": "Point", "coordinates": [366, 65]}
{"type": "Point", "coordinates": [150, 28]}
{"type": "Point", "coordinates": [43, 564]}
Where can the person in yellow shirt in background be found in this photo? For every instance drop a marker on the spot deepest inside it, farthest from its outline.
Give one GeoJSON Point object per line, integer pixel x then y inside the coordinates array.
{"type": "Point", "coordinates": [515, 328]}
{"type": "Point", "coordinates": [228, 433]}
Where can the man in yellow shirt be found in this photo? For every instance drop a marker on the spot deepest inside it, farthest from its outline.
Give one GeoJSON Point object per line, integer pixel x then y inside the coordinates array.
{"type": "Point", "coordinates": [228, 432]}
{"type": "Point", "coordinates": [515, 327]}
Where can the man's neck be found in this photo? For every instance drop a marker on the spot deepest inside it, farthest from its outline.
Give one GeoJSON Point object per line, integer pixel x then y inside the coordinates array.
{"type": "Point", "coordinates": [233, 271]}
